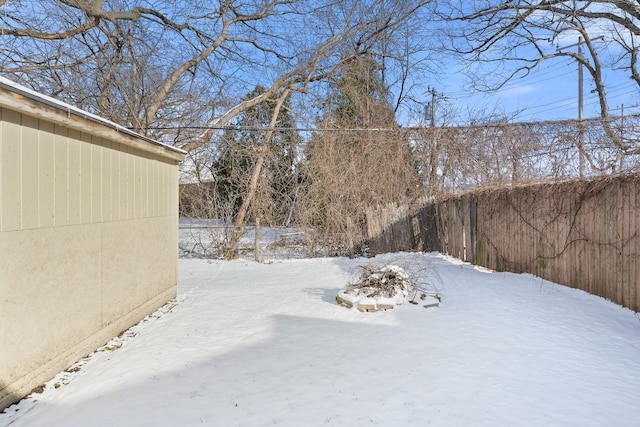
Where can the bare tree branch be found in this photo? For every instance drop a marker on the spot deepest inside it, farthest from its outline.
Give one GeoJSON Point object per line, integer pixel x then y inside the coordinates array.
{"type": "Point", "coordinates": [495, 31]}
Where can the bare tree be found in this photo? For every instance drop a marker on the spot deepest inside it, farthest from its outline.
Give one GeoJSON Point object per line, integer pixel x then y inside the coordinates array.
{"type": "Point", "coordinates": [360, 159]}
{"type": "Point", "coordinates": [151, 56]}
{"type": "Point", "coordinates": [236, 235]}
{"type": "Point", "coordinates": [517, 36]}
{"type": "Point", "coordinates": [177, 71]}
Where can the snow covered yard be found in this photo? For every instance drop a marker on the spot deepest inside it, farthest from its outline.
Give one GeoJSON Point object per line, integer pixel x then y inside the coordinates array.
{"type": "Point", "coordinates": [253, 344]}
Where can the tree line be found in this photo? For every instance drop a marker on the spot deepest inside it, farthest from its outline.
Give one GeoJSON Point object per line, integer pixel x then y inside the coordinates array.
{"type": "Point", "coordinates": [232, 83]}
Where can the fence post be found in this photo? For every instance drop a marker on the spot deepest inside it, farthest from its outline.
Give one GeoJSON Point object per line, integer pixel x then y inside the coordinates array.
{"type": "Point", "coordinates": [257, 240]}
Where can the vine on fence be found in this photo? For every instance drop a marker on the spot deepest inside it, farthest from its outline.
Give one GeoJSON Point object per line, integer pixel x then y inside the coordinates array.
{"type": "Point", "coordinates": [581, 233]}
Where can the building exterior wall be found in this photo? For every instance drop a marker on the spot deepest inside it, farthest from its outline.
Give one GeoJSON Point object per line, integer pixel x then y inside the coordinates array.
{"type": "Point", "coordinates": [88, 238]}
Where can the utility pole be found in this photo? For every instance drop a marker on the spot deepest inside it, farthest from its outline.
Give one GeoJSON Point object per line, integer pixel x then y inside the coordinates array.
{"type": "Point", "coordinates": [432, 109]}
{"type": "Point", "coordinates": [622, 135]}
{"type": "Point", "coordinates": [580, 107]}
{"type": "Point", "coordinates": [580, 102]}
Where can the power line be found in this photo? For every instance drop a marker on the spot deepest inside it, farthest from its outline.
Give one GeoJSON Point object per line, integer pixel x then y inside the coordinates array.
{"type": "Point", "coordinates": [399, 129]}
{"type": "Point", "coordinates": [557, 70]}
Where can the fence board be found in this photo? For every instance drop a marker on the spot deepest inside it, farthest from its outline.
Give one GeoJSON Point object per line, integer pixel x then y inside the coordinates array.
{"type": "Point", "coordinates": [634, 277]}
{"type": "Point", "coordinates": [582, 234]}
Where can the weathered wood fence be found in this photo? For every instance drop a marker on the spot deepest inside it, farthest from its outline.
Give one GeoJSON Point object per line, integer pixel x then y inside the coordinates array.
{"type": "Point", "coordinates": [579, 233]}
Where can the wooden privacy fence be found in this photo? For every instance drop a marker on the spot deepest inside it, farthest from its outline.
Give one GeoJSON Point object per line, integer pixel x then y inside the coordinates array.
{"type": "Point", "coordinates": [578, 233]}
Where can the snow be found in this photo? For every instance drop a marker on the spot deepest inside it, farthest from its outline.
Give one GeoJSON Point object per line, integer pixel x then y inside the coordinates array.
{"type": "Point", "coordinates": [255, 344]}
{"type": "Point", "coordinates": [202, 238]}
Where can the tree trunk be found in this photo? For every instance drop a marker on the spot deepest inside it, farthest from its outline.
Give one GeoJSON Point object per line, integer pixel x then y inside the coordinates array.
{"type": "Point", "coordinates": [236, 234]}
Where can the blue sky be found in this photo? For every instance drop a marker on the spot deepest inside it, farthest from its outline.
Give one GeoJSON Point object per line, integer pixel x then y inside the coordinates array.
{"type": "Point", "coordinates": [550, 91]}
{"type": "Point", "coordinates": [547, 93]}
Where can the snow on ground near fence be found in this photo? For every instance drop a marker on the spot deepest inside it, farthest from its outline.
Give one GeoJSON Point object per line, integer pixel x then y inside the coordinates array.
{"type": "Point", "coordinates": [251, 344]}
{"type": "Point", "coordinates": [203, 238]}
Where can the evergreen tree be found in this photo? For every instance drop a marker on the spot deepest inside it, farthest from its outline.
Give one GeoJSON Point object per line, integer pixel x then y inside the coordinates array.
{"type": "Point", "coordinates": [359, 97]}
{"type": "Point", "coordinates": [238, 150]}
